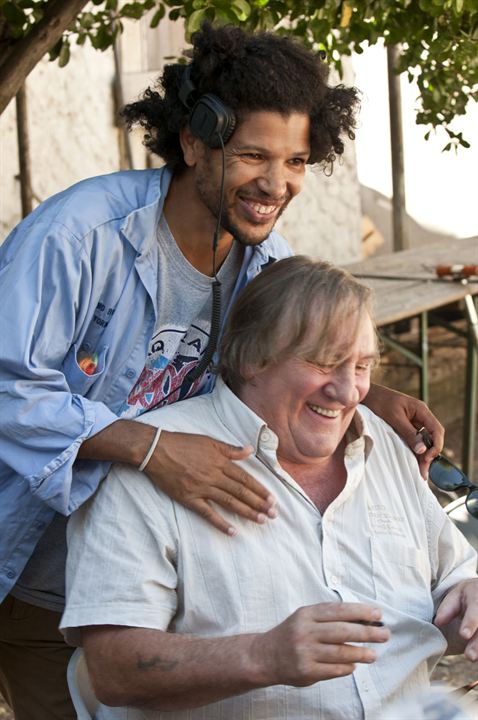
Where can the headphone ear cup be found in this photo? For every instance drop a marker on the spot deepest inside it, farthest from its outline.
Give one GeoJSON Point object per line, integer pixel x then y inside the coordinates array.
{"type": "Point", "coordinates": [211, 120]}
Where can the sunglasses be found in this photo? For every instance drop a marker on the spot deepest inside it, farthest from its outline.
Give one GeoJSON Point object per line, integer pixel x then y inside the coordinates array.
{"type": "Point", "coordinates": [448, 477]}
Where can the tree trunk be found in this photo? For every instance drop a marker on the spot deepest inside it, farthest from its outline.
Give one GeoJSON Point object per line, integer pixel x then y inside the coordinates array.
{"type": "Point", "coordinates": [28, 51]}
{"type": "Point", "coordinates": [400, 237]}
{"type": "Point", "coordinates": [24, 152]}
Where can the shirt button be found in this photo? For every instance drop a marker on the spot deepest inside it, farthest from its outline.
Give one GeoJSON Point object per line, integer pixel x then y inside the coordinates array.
{"type": "Point", "coordinates": [10, 574]}
{"type": "Point", "coordinates": [334, 579]}
{"type": "Point", "coordinates": [266, 436]}
{"type": "Point", "coordinates": [130, 373]}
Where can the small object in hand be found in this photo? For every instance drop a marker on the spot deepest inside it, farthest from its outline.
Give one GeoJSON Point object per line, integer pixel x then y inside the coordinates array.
{"type": "Point", "coordinates": [371, 623]}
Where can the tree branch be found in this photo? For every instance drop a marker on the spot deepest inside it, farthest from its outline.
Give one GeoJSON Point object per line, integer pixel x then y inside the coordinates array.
{"type": "Point", "coordinates": [28, 51]}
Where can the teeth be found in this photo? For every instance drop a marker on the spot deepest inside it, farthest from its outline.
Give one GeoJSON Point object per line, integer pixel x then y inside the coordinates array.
{"type": "Point", "coordinates": [264, 209]}
{"type": "Point", "coordinates": [325, 411]}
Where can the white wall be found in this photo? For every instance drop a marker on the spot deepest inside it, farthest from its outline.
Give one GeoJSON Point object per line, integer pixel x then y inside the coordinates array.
{"type": "Point", "coordinates": [441, 187]}
{"type": "Point", "coordinates": [71, 129]}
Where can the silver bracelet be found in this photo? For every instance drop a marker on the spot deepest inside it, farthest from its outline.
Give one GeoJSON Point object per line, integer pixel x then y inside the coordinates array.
{"type": "Point", "coordinates": [151, 450]}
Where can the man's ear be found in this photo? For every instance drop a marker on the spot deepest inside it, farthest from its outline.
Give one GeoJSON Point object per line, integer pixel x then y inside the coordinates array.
{"type": "Point", "coordinates": [191, 146]}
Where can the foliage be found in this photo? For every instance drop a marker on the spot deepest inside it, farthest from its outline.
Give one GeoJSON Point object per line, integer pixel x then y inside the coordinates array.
{"type": "Point", "coordinates": [438, 39]}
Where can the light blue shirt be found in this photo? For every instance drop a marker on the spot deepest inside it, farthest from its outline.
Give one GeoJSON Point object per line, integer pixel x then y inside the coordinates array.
{"type": "Point", "coordinates": [78, 274]}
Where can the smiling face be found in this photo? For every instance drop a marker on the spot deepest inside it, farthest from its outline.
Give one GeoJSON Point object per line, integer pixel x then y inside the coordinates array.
{"type": "Point", "coordinates": [265, 167]}
{"type": "Point", "coordinates": [308, 406]}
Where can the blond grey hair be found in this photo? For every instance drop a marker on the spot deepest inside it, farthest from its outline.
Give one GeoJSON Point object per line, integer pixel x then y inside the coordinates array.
{"type": "Point", "coordinates": [294, 308]}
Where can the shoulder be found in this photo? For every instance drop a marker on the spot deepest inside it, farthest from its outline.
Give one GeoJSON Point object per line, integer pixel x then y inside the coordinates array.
{"type": "Point", "coordinates": [195, 416]}
{"type": "Point", "coordinates": [90, 203]}
{"type": "Point", "coordinates": [99, 200]}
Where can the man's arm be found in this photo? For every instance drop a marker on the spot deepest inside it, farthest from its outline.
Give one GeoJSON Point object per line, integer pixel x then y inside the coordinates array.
{"type": "Point", "coordinates": [191, 469]}
{"type": "Point", "coordinates": [161, 670]}
{"type": "Point", "coordinates": [406, 415]}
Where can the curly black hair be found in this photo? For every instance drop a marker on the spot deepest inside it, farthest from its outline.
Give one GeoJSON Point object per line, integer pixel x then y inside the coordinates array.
{"type": "Point", "coordinates": [249, 73]}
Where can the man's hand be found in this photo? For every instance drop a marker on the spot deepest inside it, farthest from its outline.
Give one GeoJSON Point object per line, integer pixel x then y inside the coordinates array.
{"type": "Point", "coordinates": [313, 643]}
{"type": "Point", "coordinates": [460, 606]}
{"type": "Point", "coordinates": [406, 415]}
{"type": "Point", "coordinates": [191, 469]}
{"type": "Point", "coordinates": [194, 469]}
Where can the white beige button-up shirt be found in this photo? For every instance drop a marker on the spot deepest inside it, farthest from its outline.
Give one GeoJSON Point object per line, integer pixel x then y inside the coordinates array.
{"type": "Point", "coordinates": [139, 559]}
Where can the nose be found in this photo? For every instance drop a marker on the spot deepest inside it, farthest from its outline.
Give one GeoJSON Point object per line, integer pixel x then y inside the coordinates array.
{"type": "Point", "coordinates": [342, 386]}
{"type": "Point", "coordinates": [273, 182]}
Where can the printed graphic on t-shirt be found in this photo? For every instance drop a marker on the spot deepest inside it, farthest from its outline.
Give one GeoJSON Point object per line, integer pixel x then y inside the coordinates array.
{"type": "Point", "coordinates": [173, 353]}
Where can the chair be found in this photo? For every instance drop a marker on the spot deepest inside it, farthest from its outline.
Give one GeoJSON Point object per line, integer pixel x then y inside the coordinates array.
{"type": "Point", "coordinates": [81, 690]}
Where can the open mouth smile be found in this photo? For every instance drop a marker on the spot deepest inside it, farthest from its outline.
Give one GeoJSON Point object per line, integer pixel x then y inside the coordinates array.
{"type": "Point", "coordinates": [260, 210]}
{"type": "Point", "coordinates": [326, 412]}
{"type": "Point", "coordinates": [264, 209]}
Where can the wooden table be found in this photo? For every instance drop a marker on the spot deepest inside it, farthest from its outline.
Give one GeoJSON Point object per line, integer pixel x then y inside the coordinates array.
{"type": "Point", "coordinates": [405, 286]}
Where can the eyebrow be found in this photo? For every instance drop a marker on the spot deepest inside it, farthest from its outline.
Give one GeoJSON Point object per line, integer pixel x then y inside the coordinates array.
{"type": "Point", "coordinates": [258, 148]}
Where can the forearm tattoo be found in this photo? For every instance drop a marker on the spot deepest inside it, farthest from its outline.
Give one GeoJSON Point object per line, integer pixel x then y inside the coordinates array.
{"type": "Point", "coordinates": [155, 663]}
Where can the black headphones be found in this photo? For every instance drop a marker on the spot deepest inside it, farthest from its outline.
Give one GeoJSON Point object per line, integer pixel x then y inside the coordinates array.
{"type": "Point", "coordinates": [209, 118]}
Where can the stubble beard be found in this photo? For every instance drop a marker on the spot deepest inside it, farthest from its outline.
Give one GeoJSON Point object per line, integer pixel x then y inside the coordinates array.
{"type": "Point", "coordinates": [210, 197]}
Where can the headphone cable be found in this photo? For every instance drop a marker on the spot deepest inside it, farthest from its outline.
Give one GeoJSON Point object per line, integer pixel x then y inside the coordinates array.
{"type": "Point", "coordinates": [197, 371]}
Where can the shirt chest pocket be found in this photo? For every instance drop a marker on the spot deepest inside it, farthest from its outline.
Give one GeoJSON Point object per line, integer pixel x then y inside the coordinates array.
{"type": "Point", "coordinates": [402, 577]}
{"type": "Point", "coordinates": [81, 374]}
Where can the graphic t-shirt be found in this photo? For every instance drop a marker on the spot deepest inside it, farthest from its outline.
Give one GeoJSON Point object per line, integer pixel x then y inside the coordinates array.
{"type": "Point", "coordinates": [183, 326]}
{"type": "Point", "coordinates": [179, 339]}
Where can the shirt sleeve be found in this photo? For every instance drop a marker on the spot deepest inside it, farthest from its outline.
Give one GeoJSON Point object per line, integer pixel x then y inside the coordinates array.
{"type": "Point", "coordinates": [122, 557]}
{"type": "Point", "coordinates": [452, 558]}
{"type": "Point", "coordinates": [43, 274]}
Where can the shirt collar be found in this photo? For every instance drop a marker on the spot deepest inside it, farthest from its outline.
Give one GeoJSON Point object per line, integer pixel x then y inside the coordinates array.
{"type": "Point", "coordinates": [140, 225]}
{"type": "Point", "coordinates": [358, 436]}
{"type": "Point", "coordinates": [238, 417]}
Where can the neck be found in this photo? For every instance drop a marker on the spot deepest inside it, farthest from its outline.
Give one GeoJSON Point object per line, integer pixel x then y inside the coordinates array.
{"type": "Point", "coordinates": [323, 481]}
{"type": "Point", "coordinates": [193, 225]}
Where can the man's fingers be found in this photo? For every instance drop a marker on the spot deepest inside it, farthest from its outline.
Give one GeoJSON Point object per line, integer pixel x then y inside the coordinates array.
{"type": "Point", "coordinates": [449, 608]}
{"type": "Point", "coordinates": [241, 486]}
{"type": "Point", "coordinates": [234, 452]}
{"type": "Point", "coordinates": [202, 508]}
{"type": "Point", "coordinates": [347, 654]}
{"type": "Point", "coordinates": [328, 671]}
{"type": "Point", "coordinates": [425, 421]}
{"type": "Point", "coordinates": [345, 612]}
{"type": "Point", "coordinates": [338, 633]}
{"type": "Point", "coordinates": [235, 472]}
{"type": "Point", "coordinates": [255, 509]}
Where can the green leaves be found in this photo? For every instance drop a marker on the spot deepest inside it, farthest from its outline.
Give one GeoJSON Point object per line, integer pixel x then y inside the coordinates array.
{"type": "Point", "coordinates": [438, 39]}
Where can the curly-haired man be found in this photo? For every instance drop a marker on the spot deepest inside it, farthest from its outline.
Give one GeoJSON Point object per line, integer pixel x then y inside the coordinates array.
{"type": "Point", "coordinates": [111, 297]}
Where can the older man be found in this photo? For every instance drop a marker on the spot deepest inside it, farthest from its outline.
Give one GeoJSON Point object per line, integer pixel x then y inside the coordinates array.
{"type": "Point", "coordinates": [283, 620]}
